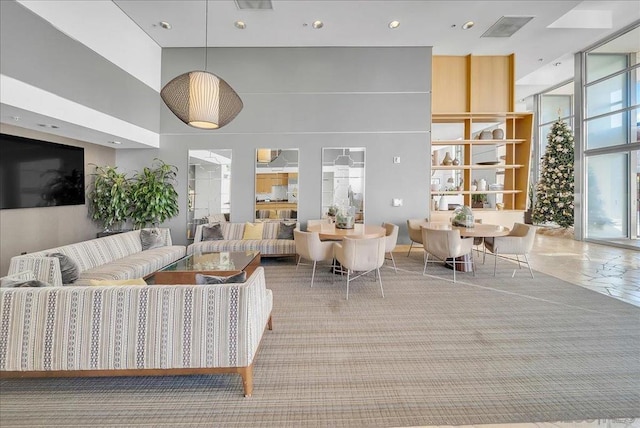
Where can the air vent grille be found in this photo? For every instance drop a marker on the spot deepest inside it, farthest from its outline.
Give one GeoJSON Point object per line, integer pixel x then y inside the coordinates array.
{"type": "Point", "coordinates": [507, 26]}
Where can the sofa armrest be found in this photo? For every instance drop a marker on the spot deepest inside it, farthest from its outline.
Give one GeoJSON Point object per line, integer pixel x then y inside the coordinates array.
{"type": "Point", "coordinates": [45, 269]}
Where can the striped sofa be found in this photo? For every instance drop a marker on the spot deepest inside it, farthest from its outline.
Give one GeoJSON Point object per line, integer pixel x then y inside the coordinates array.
{"type": "Point", "coordinates": [232, 233]}
{"type": "Point", "coordinates": [130, 330]}
{"type": "Point", "coordinates": [111, 257]}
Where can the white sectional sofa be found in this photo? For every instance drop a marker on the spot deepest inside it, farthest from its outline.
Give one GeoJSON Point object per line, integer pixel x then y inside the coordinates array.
{"type": "Point", "coordinates": [129, 330]}
{"type": "Point", "coordinates": [114, 257]}
{"type": "Point", "coordinates": [232, 233]}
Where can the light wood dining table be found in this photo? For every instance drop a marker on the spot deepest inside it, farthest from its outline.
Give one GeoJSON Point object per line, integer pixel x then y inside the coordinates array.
{"type": "Point", "coordinates": [329, 231]}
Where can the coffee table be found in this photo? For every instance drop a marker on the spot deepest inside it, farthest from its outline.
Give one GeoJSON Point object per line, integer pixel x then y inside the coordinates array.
{"type": "Point", "coordinates": [225, 263]}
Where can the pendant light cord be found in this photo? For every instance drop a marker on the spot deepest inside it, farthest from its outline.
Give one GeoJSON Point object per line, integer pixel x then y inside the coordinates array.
{"type": "Point", "coordinates": [206, 31]}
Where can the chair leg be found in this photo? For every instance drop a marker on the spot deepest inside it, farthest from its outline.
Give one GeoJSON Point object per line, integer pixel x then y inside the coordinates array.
{"type": "Point", "coordinates": [380, 279]}
{"type": "Point", "coordinates": [410, 247]}
{"type": "Point", "coordinates": [313, 273]}
{"type": "Point", "coordinates": [298, 264]}
{"type": "Point", "coordinates": [426, 259]}
{"type": "Point", "coordinates": [528, 264]}
{"type": "Point", "coordinates": [348, 274]}
{"type": "Point", "coordinates": [495, 263]}
{"type": "Point", "coordinates": [473, 264]}
{"type": "Point", "coordinates": [518, 259]}
{"type": "Point", "coordinates": [454, 270]}
{"type": "Point", "coordinates": [394, 262]}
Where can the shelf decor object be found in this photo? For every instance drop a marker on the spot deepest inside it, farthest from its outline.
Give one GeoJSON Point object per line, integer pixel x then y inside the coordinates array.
{"type": "Point", "coordinates": [200, 98]}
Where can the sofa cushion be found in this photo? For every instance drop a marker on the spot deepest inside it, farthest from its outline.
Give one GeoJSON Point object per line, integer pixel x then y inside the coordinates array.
{"type": "Point", "coordinates": [132, 281]}
{"type": "Point", "coordinates": [68, 268]}
{"type": "Point", "coordinates": [151, 238]}
{"type": "Point", "coordinates": [136, 265]}
{"type": "Point", "coordinates": [253, 231]}
{"type": "Point", "coordinates": [286, 230]}
{"type": "Point", "coordinates": [214, 279]}
{"type": "Point", "coordinates": [212, 232]}
{"type": "Point", "coordinates": [266, 247]}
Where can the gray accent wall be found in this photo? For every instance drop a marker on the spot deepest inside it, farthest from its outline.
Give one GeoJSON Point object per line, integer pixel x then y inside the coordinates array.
{"type": "Point", "coordinates": [35, 52]}
{"type": "Point", "coordinates": [34, 229]}
{"type": "Point", "coordinates": [310, 98]}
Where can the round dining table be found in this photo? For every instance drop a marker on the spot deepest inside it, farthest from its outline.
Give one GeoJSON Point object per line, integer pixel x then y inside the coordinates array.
{"type": "Point", "coordinates": [479, 230]}
{"type": "Point", "coordinates": [329, 231]}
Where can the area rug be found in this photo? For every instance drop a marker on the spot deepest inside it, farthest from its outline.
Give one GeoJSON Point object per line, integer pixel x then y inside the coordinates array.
{"type": "Point", "coordinates": [484, 350]}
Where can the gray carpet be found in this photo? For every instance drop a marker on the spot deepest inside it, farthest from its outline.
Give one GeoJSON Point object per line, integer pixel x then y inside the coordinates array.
{"type": "Point", "coordinates": [431, 352]}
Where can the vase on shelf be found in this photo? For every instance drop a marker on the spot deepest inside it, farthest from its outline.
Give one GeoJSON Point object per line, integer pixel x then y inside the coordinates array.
{"type": "Point", "coordinates": [455, 162]}
{"type": "Point", "coordinates": [498, 134]}
{"type": "Point", "coordinates": [447, 159]}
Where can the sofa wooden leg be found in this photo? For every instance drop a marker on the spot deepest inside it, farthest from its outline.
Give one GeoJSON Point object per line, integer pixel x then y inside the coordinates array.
{"type": "Point", "coordinates": [270, 323]}
{"type": "Point", "coordinates": [247, 379]}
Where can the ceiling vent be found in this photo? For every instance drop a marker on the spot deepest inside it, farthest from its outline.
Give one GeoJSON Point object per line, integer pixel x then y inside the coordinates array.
{"type": "Point", "coordinates": [254, 4]}
{"type": "Point", "coordinates": [507, 26]}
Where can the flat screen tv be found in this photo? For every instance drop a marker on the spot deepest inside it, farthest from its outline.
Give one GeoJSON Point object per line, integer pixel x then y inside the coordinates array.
{"type": "Point", "coordinates": [37, 173]}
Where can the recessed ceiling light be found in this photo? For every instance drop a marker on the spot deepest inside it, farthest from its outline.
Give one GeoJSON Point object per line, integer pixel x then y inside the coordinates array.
{"type": "Point", "coordinates": [48, 125]}
{"type": "Point", "coordinates": [16, 118]}
{"type": "Point", "coordinates": [467, 25]}
{"type": "Point", "coordinates": [241, 25]}
{"type": "Point", "coordinates": [115, 142]}
{"type": "Point", "coordinates": [165, 25]}
{"type": "Point", "coordinates": [555, 64]}
{"type": "Point", "coordinates": [394, 24]}
{"type": "Point", "coordinates": [318, 24]}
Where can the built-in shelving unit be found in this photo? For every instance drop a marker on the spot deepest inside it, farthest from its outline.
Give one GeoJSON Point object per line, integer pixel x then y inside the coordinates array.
{"type": "Point", "coordinates": [471, 94]}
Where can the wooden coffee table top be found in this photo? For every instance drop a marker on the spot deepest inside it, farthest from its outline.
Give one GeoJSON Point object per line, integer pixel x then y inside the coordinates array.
{"type": "Point", "coordinates": [223, 263]}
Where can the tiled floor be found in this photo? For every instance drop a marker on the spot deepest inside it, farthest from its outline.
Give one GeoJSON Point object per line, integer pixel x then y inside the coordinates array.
{"type": "Point", "coordinates": [608, 270]}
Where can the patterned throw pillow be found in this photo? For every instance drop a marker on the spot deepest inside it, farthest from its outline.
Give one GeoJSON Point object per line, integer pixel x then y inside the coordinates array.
{"type": "Point", "coordinates": [212, 279]}
{"type": "Point", "coordinates": [151, 238]}
{"type": "Point", "coordinates": [286, 230]}
{"type": "Point", "coordinates": [212, 232]}
{"type": "Point", "coordinates": [253, 230]}
{"type": "Point", "coordinates": [68, 268]}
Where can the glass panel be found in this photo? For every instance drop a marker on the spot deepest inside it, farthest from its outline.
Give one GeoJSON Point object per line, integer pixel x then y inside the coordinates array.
{"type": "Point", "coordinates": [612, 130]}
{"type": "Point", "coordinates": [276, 184]}
{"type": "Point", "coordinates": [554, 106]}
{"type": "Point", "coordinates": [343, 180]}
{"type": "Point", "coordinates": [607, 96]}
{"type": "Point", "coordinates": [607, 196]}
{"type": "Point", "coordinates": [209, 187]}
{"type": "Point", "coordinates": [600, 65]}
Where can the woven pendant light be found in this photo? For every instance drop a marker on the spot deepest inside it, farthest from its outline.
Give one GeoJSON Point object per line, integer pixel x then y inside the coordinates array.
{"type": "Point", "coordinates": [202, 99]}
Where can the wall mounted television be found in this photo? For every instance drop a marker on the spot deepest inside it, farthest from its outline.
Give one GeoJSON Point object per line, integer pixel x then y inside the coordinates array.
{"type": "Point", "coordinates": [36, 173]}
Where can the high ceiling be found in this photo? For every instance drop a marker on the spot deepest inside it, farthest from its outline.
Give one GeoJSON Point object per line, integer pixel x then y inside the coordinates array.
{"type": "Point", "coordinates": [544, 47]}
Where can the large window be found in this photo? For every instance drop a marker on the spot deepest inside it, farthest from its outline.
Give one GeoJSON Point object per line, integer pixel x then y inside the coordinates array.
{"type": "Point", "coordinates": [610, 140]}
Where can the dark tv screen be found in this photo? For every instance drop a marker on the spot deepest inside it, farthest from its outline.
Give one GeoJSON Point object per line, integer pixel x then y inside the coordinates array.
{"type": "Point", "coordinates": [37, 173]}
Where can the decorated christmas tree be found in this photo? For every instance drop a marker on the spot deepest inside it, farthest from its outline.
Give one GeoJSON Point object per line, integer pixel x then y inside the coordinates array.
{"type": "Point", "coordinates": [554, 191]}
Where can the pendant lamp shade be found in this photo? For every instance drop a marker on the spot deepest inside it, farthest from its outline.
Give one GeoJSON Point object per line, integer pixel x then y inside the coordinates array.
{"type": "Point", "coordinates": [202, 100]}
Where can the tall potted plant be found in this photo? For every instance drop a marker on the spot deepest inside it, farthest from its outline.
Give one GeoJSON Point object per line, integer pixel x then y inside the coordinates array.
{"type": "Point", "coordinates": [109, 197]}
{"type": "Point", "coordinates": [153, 196]}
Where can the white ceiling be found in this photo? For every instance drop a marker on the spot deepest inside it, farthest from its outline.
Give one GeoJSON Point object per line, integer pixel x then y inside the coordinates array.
{"type": "Point", "coordinates": [543, 48]}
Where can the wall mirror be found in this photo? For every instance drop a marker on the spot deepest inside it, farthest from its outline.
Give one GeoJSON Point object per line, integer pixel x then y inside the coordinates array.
{"type": "Point", "coordinates": [209, 187]}
{"type": "Point", "coordinates": [343, 180]}
{"type": "Point", "coordinates": [276, 184]}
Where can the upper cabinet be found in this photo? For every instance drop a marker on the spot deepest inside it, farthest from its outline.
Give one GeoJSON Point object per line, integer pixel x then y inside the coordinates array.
{"type": "Point", "coordinates": [473, 84]}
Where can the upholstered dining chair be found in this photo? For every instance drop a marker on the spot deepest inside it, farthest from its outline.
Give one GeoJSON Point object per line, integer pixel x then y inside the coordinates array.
{"type": "Point", "coordinates": [415, 231]}
{"type": "Point", "coordinates": [518, 242]}
{"type": "Point", "coordinates": [446, 245]}
{"type": "Point", "coordinates": [390, 240]}
{"type": "Point", "coordinates": [310, 247]}
{"type": "Point", "coordinates": [362, 255]}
